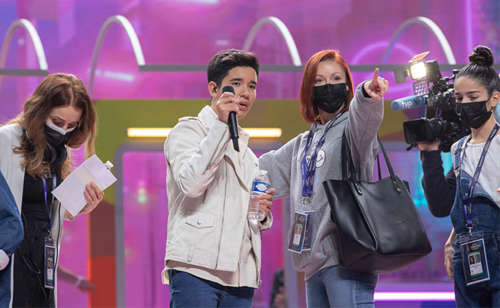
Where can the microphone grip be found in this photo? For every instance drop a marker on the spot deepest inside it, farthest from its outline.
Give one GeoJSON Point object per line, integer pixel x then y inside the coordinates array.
{"type": "Point", "coordinates": [233, 129]}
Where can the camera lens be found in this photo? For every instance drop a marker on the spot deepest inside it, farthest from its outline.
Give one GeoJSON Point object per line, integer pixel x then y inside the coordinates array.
{"type": "Point", "coordinates": [427, 130]}
{"type": "Point", "coordinates": [420, 131]}
{"type": "Point", "coordinates": [439, 128]}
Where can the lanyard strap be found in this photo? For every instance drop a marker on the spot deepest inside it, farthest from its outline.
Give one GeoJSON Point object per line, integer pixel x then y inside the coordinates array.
{"type": "Point", "coordinates": [467, 198]}
{"type": "Point", "coordinates": [308, 171]}
{"type": "Point", "coordinates": [45, 193]}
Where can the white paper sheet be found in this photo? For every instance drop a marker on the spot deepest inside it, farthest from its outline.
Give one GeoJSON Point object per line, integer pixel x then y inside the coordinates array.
{"type": "Point", "coordinates": [70, 192]}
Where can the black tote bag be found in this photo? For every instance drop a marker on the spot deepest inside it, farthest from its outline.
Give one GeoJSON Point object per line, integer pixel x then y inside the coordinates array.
{"type": "Point", "coordinates": [380, 230]}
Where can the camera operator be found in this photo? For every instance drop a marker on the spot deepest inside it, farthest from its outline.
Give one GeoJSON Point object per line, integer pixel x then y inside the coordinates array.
{"type": "Point", "coordinates": [475, 211]}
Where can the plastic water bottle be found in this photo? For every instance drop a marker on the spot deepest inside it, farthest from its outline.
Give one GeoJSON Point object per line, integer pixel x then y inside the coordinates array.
{"type": "Point", "coordinates": [259, 186]}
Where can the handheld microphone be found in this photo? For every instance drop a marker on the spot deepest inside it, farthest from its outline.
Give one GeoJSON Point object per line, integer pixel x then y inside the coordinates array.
{"type": "Point", "coordinates": [407, 102]}
{"type": "Point", "coordinates": [232, 121]}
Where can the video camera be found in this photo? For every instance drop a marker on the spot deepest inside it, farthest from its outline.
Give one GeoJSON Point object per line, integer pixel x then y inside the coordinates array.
{"type": "Point", "coordinates": [441, 121]}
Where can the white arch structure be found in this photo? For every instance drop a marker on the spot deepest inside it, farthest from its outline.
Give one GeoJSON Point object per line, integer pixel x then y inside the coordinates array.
{"type": "Point", "coordinates": [429, 24]}
{"type": "Point", "coordinates": [37, 43]}
{"type": "Point", "coordinates": [134, 40]}
{"type": "Point", "coordinates": [282, 29]}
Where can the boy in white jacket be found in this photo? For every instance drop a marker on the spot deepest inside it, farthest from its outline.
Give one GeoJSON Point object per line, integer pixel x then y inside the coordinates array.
{"type": "Point", "coordinates": [213, 255]}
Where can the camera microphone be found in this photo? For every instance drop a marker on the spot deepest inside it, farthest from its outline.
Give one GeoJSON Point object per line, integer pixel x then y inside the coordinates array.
{"type": "Point", "coordinates": [407, 102]}
{"type": "Point", "coordinates": [232, 122]}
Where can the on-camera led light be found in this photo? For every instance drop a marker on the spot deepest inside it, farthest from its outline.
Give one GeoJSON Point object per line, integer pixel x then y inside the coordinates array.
{"type": "Point", "coordinates": [417, 71]}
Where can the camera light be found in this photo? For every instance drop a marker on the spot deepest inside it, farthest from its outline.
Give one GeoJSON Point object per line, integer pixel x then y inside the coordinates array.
{"type": "Point", "coordinates": [417, 71]}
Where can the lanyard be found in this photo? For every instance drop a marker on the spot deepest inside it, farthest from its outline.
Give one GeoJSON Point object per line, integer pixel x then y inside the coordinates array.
{"type": "Point", "coordinates": [308, 171]}
{"type": "Point", "coordinates": [45, 193]}
{"type": "Point", "coordinates": [467, 198]}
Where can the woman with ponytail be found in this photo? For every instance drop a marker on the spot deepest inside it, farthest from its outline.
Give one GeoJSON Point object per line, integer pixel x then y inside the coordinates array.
{"type": "Point", "coordinates": [475, 213]}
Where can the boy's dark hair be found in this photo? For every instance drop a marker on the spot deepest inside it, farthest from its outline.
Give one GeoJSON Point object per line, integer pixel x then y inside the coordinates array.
{"type": "Point", "coordinates": [481, 69]}
{"type": "Point", "coordinates": [225, 60]}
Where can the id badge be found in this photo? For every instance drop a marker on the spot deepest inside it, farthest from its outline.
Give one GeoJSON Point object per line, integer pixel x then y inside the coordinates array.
{"type": "Point", "coordinates": [475, 262]}
{"type": "Point", "coordinates": [296, 242]}
{"type": "Point", "coordinates": [50, 255]}
{"type": "Point", "coordinates": [309, 230]}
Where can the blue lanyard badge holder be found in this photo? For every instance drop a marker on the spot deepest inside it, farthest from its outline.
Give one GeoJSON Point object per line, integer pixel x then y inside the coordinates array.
{"type": "Point", "coordinates": [301, 237]}
{"type": "Point", "coordinates": [473, 252]}
{"type": "Point", "coordinates": [49, 247]}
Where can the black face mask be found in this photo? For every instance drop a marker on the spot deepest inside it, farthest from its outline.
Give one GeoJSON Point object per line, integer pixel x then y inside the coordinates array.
{"type": "Point", "coordinates": [473, 114]}
{"type": "Point", "coordinates": [54, 137]}
{"type": "Point", "coordinates": [330, 97]}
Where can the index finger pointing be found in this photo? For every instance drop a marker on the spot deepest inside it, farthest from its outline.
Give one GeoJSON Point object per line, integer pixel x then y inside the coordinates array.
{"type": "Point", "coordinates": [375, 75]}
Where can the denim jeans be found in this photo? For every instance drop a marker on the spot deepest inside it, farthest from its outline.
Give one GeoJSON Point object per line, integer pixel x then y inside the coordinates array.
{"type": "Point", "coordinates": [187, 290]}
{"type": "Point", "coordinates": [338, 287]}
{"type": "Point", "coordinates": [486, 225]}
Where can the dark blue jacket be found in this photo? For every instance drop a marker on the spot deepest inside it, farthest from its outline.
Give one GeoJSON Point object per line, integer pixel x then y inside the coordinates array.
{"type": "Point", "coordinates": [11, 235]}
{"type": "Point", "coordinates": [439, 189]}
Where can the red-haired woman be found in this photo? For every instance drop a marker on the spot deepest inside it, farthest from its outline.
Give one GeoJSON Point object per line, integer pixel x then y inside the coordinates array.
{"type": "Point", "coordinates": [34, 158]}
{"type": "Point", "coordinates": [328, 101]}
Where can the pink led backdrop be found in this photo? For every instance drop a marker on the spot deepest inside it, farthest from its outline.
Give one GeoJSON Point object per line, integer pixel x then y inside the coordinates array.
{"type": "Point", "coordinates": [146, 215]}
{"type": "Point", "coordinates": [190, 32]}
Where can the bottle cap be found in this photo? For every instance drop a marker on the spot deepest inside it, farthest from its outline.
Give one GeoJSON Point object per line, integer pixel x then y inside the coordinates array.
{"type": "Point", "coordinates": [109, 165]}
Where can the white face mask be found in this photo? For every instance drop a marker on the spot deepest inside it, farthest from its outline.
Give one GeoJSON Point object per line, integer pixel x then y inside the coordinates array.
{"type": "Point", "coordinates": [59, 129]}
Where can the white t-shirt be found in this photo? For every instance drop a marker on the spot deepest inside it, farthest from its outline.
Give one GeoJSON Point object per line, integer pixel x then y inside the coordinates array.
{"type": "Point", "coordinates": [489, 178]}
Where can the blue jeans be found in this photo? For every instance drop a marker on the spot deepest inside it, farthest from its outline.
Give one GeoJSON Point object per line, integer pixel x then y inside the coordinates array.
{"type": "Point", "coordinates": [338, 287]}
{"type": "Point", "coordinates": [187, 290]}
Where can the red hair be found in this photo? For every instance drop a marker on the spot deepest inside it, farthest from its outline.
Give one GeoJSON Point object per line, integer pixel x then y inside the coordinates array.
{"type": "Point", "coordinates": [308, 111]}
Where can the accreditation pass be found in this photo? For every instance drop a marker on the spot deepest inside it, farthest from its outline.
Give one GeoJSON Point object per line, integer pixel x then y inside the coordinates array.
{"type": "Point", "coordinates": [475, 262]}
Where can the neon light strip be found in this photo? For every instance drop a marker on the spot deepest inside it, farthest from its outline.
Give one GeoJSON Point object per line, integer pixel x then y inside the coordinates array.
{"type": "Point", "coordinates": [264, 132]}
{"type": "Point", "coordinates": [157, 132]}
{"type": "Point", "coordinates": [148, 132]}
{"type": "Point", "coordinates": [414, 296]}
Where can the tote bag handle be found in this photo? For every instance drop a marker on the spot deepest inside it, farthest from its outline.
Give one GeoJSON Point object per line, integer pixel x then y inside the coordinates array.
{"type": "Point", "coordinates": [348, 169]}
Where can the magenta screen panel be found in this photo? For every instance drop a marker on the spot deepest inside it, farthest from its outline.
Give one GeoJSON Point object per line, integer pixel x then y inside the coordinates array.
{"type": "Point", "coordinates": [145, 207]}
{"type": "Point", "coordinates": [146, 215]}
{"type": "Point", "coordinates": [145, 220]}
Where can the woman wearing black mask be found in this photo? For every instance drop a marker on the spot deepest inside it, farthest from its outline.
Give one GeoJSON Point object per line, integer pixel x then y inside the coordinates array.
{"type": "Point", "coordinates": [476, 220]}
{"type": "Point", "coordinates": [327, 101]}
{"type": "Point", "coordinates": [34, 158]}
